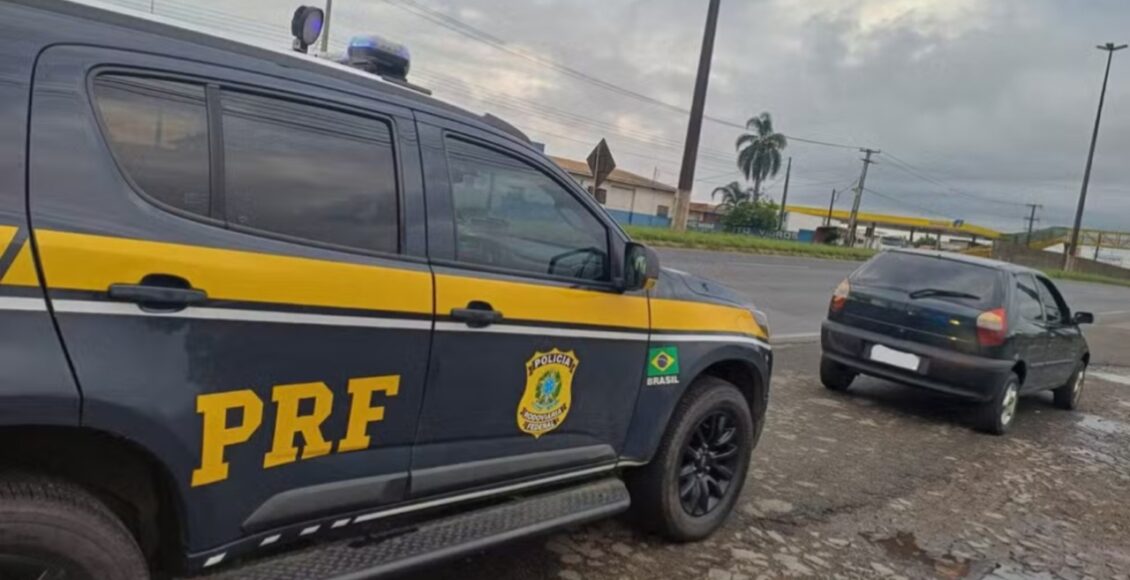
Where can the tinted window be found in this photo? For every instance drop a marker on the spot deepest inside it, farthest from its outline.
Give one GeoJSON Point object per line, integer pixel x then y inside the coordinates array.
{"type": "Point", "coordinates": [1028, 298]}
{"type": "Point", "coordinates": [309, 173]}
{"type": "Point", "coordinates": [912, 272]}
{"type": "Point", "coordinates": [159, 133]}
{"type": "Point", "coordinates": [1055, 309]}
{"type": "Point", "coordinates": [510, 215]}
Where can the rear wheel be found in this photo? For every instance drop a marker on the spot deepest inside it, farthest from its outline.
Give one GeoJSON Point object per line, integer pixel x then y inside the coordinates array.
{"type": "Point", "coordinates": [999, 413]}
{"type": "Point", "coordinates": [692, 484]}
{"type": "Point", "coordinates": [1068, 396]}
{"type": "Point", "coordinates": [51, 529]}
{"type": "Point", "coordinates": [835, 376]}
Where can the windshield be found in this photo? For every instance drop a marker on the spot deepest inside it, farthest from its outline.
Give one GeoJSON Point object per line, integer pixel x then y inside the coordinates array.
{"type": "Point", "coordinates": [930, 277]}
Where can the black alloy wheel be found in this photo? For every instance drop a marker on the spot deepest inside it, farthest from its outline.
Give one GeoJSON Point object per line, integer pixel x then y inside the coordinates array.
{"type": "Point", "coordinates": [710, 460]}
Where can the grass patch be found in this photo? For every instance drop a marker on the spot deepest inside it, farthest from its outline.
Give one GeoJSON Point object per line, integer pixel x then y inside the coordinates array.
{"type": "Point", "coordinates": [743, 243]}
{"type": "Point", "coordinates": [1084, 277]}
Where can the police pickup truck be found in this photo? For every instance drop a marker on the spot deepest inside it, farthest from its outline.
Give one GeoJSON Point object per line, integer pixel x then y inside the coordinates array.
{"type": "Point", "coordinates": [263, 315]}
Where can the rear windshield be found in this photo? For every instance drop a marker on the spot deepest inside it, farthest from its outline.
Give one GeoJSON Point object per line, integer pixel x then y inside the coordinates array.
{"type": "Point", "coordinates": [931, 277]}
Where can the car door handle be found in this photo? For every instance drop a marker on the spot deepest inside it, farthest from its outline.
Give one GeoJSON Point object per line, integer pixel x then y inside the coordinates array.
{"type": "Point", "coordinates": [159, 292]}
{"type": "Point", "coordinates": [477, 314]}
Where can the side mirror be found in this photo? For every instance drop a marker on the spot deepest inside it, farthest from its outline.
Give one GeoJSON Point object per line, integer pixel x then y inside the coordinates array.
{"type": "Point", "coordinates": [641, 267]}
{"type": "Point", "coordinates": [1083, 318]}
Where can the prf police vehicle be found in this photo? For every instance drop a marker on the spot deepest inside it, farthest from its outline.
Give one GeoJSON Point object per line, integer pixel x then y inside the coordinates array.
{"type": "Point", "coordinates": [263, 315]}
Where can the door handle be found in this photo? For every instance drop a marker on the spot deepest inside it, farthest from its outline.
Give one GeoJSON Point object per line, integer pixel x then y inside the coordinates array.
{"type": "Point", "coordinates": [477, 314]}
{"type": "Point", "coordinates": [160, 293]}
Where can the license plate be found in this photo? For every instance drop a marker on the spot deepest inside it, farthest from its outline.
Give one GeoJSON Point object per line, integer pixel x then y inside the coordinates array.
{"type": "Point", "coordinates": [895, 358]}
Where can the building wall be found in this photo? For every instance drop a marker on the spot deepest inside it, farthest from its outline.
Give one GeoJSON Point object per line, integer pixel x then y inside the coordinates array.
{"type": "Point", "coordinates": [1033, 258]}
{"type": "Point", "coordinates": [1113, 256]}
{"type": "Point", "coordinates": [633, 200]}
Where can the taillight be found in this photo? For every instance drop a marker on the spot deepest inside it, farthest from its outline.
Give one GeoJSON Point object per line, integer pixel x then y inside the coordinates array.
{"type": "Point", "coordinates": [992, 326]}
{"type": "Point", "coordinates": [840, 296]}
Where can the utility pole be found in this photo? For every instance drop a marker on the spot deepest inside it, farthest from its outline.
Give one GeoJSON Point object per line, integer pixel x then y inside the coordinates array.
{"type": "Point", "coordinates": [326, 27]}
{"type": "Point", "coordinates": [785, 195]}
{"type": "Point", "coordinates": [859, 194]}
{"type": "Point", "coordinates": [1032, 219]}
{"type": "Point", "coordinates": [694, 127]}
{"type": "Point", "coordinates": [1073, 248]}
{"type": "Point", "coordinates": [831, 206]}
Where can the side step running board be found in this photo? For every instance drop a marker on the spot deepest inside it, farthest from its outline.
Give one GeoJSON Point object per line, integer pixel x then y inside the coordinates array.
{"type": "Point", "coordinates": [431, 541]}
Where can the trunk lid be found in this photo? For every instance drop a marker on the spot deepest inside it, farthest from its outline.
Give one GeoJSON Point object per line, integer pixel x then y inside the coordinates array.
{"type": "Point", "coordinates": [923, 298]}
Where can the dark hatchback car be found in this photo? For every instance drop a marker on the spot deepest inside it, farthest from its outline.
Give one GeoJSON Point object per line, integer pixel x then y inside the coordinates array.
{"type": "Point", "coordinates": [979, 329]}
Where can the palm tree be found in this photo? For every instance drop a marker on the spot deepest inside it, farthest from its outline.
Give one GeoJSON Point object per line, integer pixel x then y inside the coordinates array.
{"type": "Point", "coordinates": [759, 152]}
{"type": "Point", "coordinates": [732, 194]}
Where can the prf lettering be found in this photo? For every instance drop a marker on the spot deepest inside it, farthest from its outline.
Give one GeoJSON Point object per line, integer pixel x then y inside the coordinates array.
{"type": "Point", "coordinates": [232, 417]}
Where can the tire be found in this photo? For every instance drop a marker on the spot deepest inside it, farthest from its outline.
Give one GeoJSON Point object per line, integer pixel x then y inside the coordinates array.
{"type": "Point", "coordinates": [998, 415]}
{"type": "Point", "coordinates": [54, 524]}
{"type": "Point", "coordinates": [835, 376]}
{"type": "Point", "coordinates": [657, 503]}
{"type": "Point", "coordinates": [1068, 396]}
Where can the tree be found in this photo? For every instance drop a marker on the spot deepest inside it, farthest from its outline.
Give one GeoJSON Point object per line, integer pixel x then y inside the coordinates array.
{"type": "Point", "coordinates": [732, 194]}
{"type": "Point", "coordinates": [758, 216]}
{"type": "Point", "coordinates": [759, 151]}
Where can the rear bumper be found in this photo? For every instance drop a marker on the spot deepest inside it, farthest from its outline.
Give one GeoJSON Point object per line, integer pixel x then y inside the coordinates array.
{"type": "Point", "coordinates": [953, 373]}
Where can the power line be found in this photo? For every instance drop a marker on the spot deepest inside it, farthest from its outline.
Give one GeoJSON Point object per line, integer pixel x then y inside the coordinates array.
{"type": "Point", "coordinates": [458, 26]}
{"type": "Point", "coordinates": [927, 210]}
{"type": "Point", "coordinates": [905, 167]}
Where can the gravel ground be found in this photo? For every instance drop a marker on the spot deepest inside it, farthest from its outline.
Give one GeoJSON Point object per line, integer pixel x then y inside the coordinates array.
{"type": "Point", "coordinates": [890, 482]}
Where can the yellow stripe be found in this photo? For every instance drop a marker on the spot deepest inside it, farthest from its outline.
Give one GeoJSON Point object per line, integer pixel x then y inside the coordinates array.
{"type": "Point", "coordinates": [88, 262]}
{"type": "Point", "coordinates": [682, 315]}
{"type": "Point", "coordinates": [74, 261]}
{"type": "Point", "coordinates": [519, 301]}
{"type": "Point", "coordinates": [571, 306]}
{"type": "Point", "coordinates": [22, 271]}
{"type": "Point", "coordinates": [6, 235]}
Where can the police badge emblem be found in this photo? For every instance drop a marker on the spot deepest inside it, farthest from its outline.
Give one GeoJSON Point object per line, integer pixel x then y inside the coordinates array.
{"type": "Point", "coordinates": [549, 391]}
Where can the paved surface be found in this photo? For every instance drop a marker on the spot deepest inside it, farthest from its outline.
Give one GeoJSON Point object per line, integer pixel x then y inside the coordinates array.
{"type": "Point", "coordinates": [884, 481]}
{"type": "Point", "coordinates": [794, 292]}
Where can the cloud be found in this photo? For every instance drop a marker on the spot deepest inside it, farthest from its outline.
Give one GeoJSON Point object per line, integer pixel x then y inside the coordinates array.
{"type": "Point", "coordinates": [993, 99]}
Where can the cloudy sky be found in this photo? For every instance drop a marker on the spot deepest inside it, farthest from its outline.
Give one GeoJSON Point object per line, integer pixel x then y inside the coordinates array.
{"type": "Point", "coordinates": [979, 106]}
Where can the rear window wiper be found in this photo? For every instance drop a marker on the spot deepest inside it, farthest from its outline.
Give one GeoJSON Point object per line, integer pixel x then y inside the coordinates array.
{"type": "Point", "coordinates": [942, 293]}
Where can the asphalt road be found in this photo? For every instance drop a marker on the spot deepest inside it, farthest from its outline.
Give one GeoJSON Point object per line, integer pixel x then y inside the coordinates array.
{"type": "Point", "coordinates": [884, 481]}
{"type": "Point", "coordinates": [794, 292]}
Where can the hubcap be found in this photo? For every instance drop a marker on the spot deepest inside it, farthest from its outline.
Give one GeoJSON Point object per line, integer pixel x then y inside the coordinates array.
{"type": "Point", "coordinates": [710, 458]}
{"type": "Point", "coordinates": [1008, 410]}
{"type": "Point", "coordinates": [1080, 381]}
{"type": "Point", "coordinates": [18, 567]}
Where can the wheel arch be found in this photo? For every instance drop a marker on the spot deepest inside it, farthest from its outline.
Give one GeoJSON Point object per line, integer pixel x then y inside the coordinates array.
{"type": "Point", "coordinates": [132, 482]}
{"type": "Point", "coordinates": [1020, 369]}
{"type": "Point", "coordinates": [747, 367]}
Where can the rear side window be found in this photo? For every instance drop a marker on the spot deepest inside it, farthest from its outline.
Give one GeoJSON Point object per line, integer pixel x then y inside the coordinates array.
{"type": "Point", "coordinates": [1028, 298]}
{"type": "Point", "coordinates": [158, 131]}
{"type": "Point", "coordinates": [912, 273]}
{"type": "Point", "coordinates": [310, 173]}
{"type": "Point", "coordinates": [1055, 309]}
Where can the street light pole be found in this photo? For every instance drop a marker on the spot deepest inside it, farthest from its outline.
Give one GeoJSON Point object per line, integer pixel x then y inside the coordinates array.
{"type": "Point", "coordinates": [326, 26]}
{"type": "Point", "coordinates": [694, 127]}
{"type": "Point", "coordinates": [1073, 248]}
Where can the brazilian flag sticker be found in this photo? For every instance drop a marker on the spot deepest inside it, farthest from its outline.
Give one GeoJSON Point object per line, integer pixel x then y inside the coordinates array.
{"type": "Point", "coordinates": [663, 365]}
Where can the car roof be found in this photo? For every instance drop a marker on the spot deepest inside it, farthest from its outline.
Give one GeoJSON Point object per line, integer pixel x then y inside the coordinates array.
{"type": "Point", "coordinates": [973, 260]}
{"type": "Point", "coordinates": [370, 83]}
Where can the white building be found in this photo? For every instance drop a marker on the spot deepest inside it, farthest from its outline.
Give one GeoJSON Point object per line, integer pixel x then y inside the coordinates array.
{"type": "Point", "coordinates": [629, 198]}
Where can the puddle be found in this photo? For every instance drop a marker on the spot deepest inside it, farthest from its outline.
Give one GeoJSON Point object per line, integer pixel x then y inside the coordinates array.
{"type": "Point", "coordinates": [1104, 426]}
{"type": "Point", "coordinates": [904, 546]}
